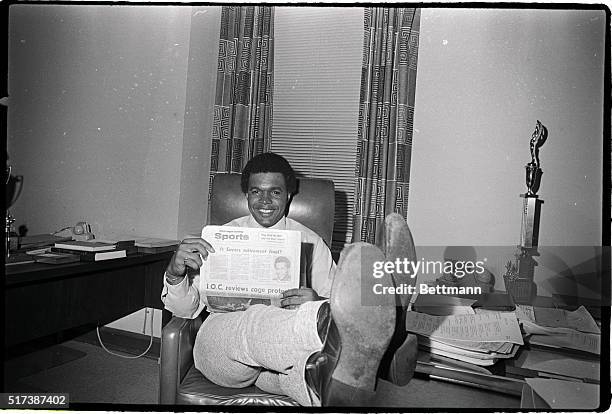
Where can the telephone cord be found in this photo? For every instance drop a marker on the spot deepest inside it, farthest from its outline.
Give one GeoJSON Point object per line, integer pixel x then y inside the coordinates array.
{"type": "Point", "coordinates": [128, 356]}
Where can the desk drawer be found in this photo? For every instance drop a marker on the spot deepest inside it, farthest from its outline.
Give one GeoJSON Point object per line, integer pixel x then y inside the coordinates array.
{"type": "Point", "coordinates": [37, 310]}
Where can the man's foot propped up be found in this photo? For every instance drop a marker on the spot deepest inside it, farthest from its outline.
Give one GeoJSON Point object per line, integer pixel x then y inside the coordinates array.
{"type": "Point", "coordinates": [360, 329]}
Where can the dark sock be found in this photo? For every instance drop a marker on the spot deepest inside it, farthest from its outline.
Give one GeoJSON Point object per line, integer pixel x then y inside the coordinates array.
{"type": "Point", "coordinates": [323, 318]}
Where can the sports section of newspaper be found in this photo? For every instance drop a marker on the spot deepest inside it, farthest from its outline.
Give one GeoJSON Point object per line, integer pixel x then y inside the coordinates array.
{"type": "Point", "coordinates": [249, 266]}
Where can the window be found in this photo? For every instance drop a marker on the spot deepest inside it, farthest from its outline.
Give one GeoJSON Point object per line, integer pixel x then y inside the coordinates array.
{"type": "Point", "coordinates": [317, 75]}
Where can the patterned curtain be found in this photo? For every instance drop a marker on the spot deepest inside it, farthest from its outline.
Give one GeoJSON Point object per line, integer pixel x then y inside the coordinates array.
{"type": "Point", "coordinates": [386, 111]}
{"type": "Point", "coordinates": [243, 103]}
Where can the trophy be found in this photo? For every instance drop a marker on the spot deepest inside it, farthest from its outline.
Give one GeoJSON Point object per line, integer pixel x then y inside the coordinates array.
{"type": "Point", "coordinates": [519, 276]}
{"type": "Point", "coordinates": [14, 185]}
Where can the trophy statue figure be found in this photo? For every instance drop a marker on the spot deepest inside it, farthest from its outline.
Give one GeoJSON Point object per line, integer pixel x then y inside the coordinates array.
{"type": "Point", "coordinates": [533, 172]}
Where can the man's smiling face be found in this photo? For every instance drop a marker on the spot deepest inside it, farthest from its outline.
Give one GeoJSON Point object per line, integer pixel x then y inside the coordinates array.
{"type": "Point", "coordinates": [267, 197]}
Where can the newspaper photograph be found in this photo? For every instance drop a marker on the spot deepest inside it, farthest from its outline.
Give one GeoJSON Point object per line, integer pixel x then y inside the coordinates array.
{"type": "Point", "coordinates": [249, 266]}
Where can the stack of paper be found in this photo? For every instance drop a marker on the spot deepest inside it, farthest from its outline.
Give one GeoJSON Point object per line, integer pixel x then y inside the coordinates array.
{"type": "Point", "coordinates": [559, 328]}
{"type": "Point", "coordinates": [480, 339]}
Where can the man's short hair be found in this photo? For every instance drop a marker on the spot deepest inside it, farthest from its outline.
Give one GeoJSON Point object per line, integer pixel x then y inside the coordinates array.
{"type": "Point", "coordinates": [282, 259]}
{"type": "Point", "coordinates": [269, 162]}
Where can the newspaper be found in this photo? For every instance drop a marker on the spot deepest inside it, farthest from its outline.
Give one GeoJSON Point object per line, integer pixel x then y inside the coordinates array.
{"type": "Point", "coordinates": [249, 266]}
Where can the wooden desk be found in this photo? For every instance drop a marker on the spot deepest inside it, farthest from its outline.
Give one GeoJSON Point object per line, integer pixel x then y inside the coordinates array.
{"type": "Point", "coordinates": [44, 299]}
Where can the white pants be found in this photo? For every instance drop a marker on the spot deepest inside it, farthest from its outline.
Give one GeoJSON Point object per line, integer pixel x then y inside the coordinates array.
{"type": "Point", "coordinates": [264, 346]}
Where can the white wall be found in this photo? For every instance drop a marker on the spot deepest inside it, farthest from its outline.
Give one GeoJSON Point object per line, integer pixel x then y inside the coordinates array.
{"type": "Point", "coordinates": [198, 119]}
{"type": "Point", "coordinates": [109, 119]}
{"type": "Point", "coordinates": [484, 77]}
{"type": "Point", "coordinates": [107, 116]}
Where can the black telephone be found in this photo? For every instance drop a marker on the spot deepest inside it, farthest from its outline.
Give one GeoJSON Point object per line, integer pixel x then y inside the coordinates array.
{"type": "Point", "coordinates": [80, 231]}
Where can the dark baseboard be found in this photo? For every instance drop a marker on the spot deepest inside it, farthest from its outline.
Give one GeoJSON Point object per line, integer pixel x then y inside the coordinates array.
{"type": "Point", "coordinates": [123, 341]}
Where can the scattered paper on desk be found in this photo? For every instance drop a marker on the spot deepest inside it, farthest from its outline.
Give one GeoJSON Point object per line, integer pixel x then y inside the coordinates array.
{"type": "Point", "coordinates": [583, 320]}
{"type": "Point", "coordinates": [441, 300]}
{"type": "Point", "coordinates": [490, 326]}
{"type": "Point", "coordinates": [465, 358]}
{"type": "Point", "coordinates": [490, 348]}
{"type": "Point", "coordinates": [567, 395]}
{"type": "Point", "coordinates": [533, 328]}
{"type": "Point", "coordinates": [440, 305]}
{"type": "Point", "coordinates": [445, 311]}
{"type": "Point", "coordinates": [525, 313]}
{"type": "Point", "coordinates": [580, 319]}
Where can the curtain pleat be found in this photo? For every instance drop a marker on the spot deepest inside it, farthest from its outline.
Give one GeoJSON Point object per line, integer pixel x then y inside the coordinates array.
{"type": "Point", "coordinates": [386, 110]}
{"type": "Point", "coordinates": [242, 120]}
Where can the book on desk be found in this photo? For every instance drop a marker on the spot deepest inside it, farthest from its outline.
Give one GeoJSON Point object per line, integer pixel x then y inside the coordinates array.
{"type": "Point", "coordinates": [57, 250]}
{"type": "Point", "coordinates": [86, 256]}
{"type": "Point", "coordinates": [93, 251]}
{"type": "Point", "coordinates": [39, 249]}
{"type": "Point", "coordinates": [85, 246]}
{"type": "Point", "coordinates": [56, 258]}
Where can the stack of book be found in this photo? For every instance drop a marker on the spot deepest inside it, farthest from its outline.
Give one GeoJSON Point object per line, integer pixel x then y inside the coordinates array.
{"type": "Point", "coordinates": [481, 353]}
{"type": "Point", "coordinates": [91, 250]}
{"type": "Point", "coordinates": [480, 339]}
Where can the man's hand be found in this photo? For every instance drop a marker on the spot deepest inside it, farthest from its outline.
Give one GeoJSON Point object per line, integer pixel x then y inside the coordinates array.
{"type": "Point", "coordinates": [293, 298]}
{"type": "Point", "coordinates": [190, 253]}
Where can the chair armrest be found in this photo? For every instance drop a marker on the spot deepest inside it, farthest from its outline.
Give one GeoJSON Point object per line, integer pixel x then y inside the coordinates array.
{"type": "Point", "coordinates": [176, 356]}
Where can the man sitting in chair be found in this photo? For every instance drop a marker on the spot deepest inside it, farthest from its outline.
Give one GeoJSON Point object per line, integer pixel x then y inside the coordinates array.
{"type": "Point", "coordinates": [292, 350]}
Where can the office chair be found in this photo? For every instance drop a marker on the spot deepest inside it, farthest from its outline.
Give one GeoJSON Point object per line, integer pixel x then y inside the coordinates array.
{"type": "Point", "coordinates": [180, 381]}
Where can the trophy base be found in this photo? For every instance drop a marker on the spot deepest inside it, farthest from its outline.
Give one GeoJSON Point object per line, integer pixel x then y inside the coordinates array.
{"type": "Point", "coordinates": [523, 291]}
{"type": "Point", "coordinates": [530, 222]}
